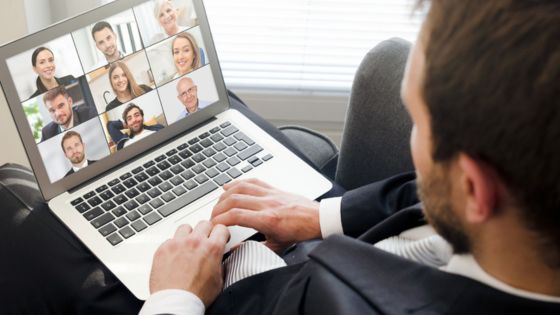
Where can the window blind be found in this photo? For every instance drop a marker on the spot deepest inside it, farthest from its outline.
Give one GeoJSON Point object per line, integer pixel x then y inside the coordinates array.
{"type": "Point", "coordinates": [307, 45]}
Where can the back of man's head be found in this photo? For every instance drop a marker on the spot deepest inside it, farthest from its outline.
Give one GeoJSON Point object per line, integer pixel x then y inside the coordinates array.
{"type": "Point", "coordinates": [492, 87]}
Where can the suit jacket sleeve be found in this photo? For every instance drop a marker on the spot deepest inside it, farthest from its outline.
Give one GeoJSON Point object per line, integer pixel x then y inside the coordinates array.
{"type": "Point", "coordinates": [364, 207]}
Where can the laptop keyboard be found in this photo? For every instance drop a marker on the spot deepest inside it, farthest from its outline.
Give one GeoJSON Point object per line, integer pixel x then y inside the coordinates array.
{"type": "Point", "coordinates": [129, 204]}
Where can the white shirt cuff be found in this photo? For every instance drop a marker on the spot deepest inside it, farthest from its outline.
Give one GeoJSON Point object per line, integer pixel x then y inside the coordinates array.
{"type": "Point", "coordinates": [329, 217]}
{"type": "Point", "coordinates": [173, 301]}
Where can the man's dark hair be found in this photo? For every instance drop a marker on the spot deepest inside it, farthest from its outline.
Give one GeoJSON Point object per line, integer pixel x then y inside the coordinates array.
{"type": "Point", "coordinates": [52, 94]}
{"type": "Point", "coordinates": [492, 89]}
{"type": "Point", "coordinates": [129, 108]}
{"type": "Point", "coordinates": [69, 135]}
{"type": "Point", "coordinates": [100, 26]}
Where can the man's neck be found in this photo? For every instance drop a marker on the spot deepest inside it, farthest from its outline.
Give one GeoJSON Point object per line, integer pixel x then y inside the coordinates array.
{"type": "Point", "coordinates": [515, 259]}
{"type": "Point", "coordinates": [70, 123]}
{"type": "Point", "coordinates": [81, 164]}
{"type": "Point", "coordinates": [113, 57]}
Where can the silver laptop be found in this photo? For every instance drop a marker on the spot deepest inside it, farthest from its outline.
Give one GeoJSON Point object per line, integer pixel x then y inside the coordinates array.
{"type": "Point", "coordinates": [125, 118]}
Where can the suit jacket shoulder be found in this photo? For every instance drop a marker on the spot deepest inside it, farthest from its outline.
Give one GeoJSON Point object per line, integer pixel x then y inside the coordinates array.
{"type": "Point", "coordinates": [49, 131]}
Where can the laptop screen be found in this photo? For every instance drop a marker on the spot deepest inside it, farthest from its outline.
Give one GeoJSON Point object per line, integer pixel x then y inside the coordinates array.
{"type": "Point", "coordinates": [112, 84]}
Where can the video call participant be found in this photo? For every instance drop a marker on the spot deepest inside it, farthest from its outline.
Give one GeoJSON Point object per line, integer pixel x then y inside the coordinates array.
{"type": "Point", "coordinates": [106, 41]}
{"type": "Point", "coordinates": [43, 64]}
{"type": "Point", "coordinates": [59, 105]}
{"type": "Point", "coordinates": [133, 117]}
{"type": "Point", "coordinates": [124, 85]}
{"type": "Point", "coordinates": [187, 93]}
{"type": "Point", "coordinates": [167, 16]}
{"type": "Point", "coordinates": [75, 151]}
{"type": "Point", "coordinates": [186, 54]}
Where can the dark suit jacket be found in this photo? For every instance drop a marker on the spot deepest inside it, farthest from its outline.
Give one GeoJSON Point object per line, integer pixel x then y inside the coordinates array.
{"type": "Point", "coordinates": [350, 276]}
{"type": "Point", "coordinates": [81, 113]}
{"type": "Point", "coordinates": [71, 171]}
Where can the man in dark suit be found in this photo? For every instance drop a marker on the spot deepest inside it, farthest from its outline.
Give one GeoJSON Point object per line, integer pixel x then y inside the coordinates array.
{"type": "Point", "coordinates": [75, 151]}
{"type": "Point", "coordinates": [59, 105]}
{"type": "Point", "coordinates": [481, 87]}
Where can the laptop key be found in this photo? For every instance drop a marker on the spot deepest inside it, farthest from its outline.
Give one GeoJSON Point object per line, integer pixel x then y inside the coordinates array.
{"type": "Point", "coordinates": [114, 239]}
{"type": "Point", "coordinates": [209, 152]}
{"type": "Point", "coordinates": [204, 135]}
{"type": "Point", "coordinates": [101, 188]}
{"type": "Point", "coordinates": [145, 209]}
{"type": "Point", "coordinates": [177, 169]}
{"type": "Point", "coordinates": [125, 176]}
{"type": "Point", "coordinates": [119, 212]}
{"type": "Point", "coordinates": [149, 164]}
{"type": "Point", "coordinates": [187, 198]}
{"type": "Point", "coordinates": [234, 173]}
{"type": "Point", "coordinates": [209, 163]}
{"type": "Point", "coordinates": [120, 222]}
{"type": "Point", "coordinates": [219, 146]}
{"type": "Point", "coordinates": [114, 182]}
{"type": "Point", "coordinates": [190, 185]}
{"type": "Point", "coordinates": [156, 203]}
{"type": "Point", "coordinates": [152, 171]}
{"type": "Point", "coordinates": [107, 206]}
{"type": "Point", "coordinates": [252, 159]}
{"type": "Point", "coordinates": [154, 181]}
{"type": "Point", "coordinates": [198, 168]}
{"type": "Point", "coordinates": [252, 150]}
{"type": "Point", "coordinates": [130, 183]}
{"type": "Point", "coordinates": [143, 187]}
{"type": "Point", "coordinates": [182, 146]}
{"type": "Point", "coordinates": [198, 158]}
{"type": "Point", "coordinates": [227, 123]}
{"type": "Point", "coordinates": [177, 180]}
{"type": "Point", "coordinates": [142, 199]}
{"type": "Point", "coordinates": [165, 186]}
{"type": "Point", "coordinates": [83, 207]}
{"type": "Point", "coordinates": [154, 192]}
{"type": "Point", "coordinates": [120, 199]}
{"type": "Point", "coordinates": [168, 197]}
{"type": "Point", "coordinates": [138, 225]}
{"type": "Point", "coordinates": [206, 143]}
{"type": "Point", "coordinates": [132, 193]}
{"type": "Point", "coordinates": [137, 170]}
{"type": "Point", "coordinates": [163, 165]}
{"type": "Point", "coordinates": [240, 146]}
{"type": "Point", "coordinates": [118, 189]}
{"type": "Point", "coordinates": [233, 161]}
{"type": "Point", "coordinates": [132, 216]}
{"type": "Point", "coordinates": [212, 173]}
{"type": "Point", "coordinates": [131, 205]}
{"type": "Point", "coordinates": [126, 232]}
{"type": "Point", "coordinates": [187, 174]}
{"type": "Point", "coordinates": [77, 201]}
{"type": "Point", "coordinates": [89, 195]}
{"type": "Point", "coordinates": [217, 137]}
{"type": "Point", "coordinates": [94, 201]}
{"type": "Point", "coordinates": [106, 195]}
{"type": "Point", "coordinates": [244, 138]}
{"type": "Point", "coordinates": [223, 167]}
{"type": "Point", "coordinates": [229, 131]}
{"type": "Point", "coordinates": [215, 129]}
{"type": "Point", "coordinates": [171, 152]}
{"type": "Point", "coordinates": [166, 175]}
{"type": "Point", "coordinates": [196, 148]}
{"type": "Point", "coordinates": [193, 141]}
{"type": "Point", "coordinates": [230, 141]}
{"type": "Point", "coordinates": [152, 218]}
{"type": "Point", "coordinates": [93, 213]}
{"type": "Point", "coordinates": [179, 190]}
{"type": "Point", "coordinates": [102, 220]}
{"type": "Point", "coordinates": [107, 229]}
{"type": "Point", "coordinates": [160, 158]}
{"type": "Point", "coordinates": [201, 178]}
{"type": "Point", "coordinates": [247, 168]}
{"type": "Point", "coordinates": [185, 154]}
{"type": "Point", "coordinates": [230, 152]}
{"type": "Point", "coordinates": [188, 163]}
{"type": "Point", "coordinates": [141, 177]}
{"type": "Point", "coordinates": [174, 159]}
{"type": "Point", "coordinates": [222, 179]}
{"type": "Point", "coordinates": [219, 157]}
{"type": "Point", "coordinates": [257, 163]}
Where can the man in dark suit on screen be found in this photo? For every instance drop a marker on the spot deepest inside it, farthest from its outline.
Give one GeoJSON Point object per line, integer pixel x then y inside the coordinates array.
{"type": "Point", "coordinates": [75, 151]}
{"type": "Point", "coordinates": [59, 105]}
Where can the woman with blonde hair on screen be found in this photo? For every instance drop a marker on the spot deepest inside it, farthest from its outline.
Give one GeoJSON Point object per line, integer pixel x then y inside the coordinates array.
{"type": "Point", "coordinates": [124, 85]}
{"type": "Point", "coordinates": [186, 54]}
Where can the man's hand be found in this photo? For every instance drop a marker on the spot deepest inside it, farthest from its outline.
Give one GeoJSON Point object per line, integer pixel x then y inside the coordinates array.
{"type": "Point", "coordinates": [191, 261]}
{"type": "Point", "coordinates": [284, 218]}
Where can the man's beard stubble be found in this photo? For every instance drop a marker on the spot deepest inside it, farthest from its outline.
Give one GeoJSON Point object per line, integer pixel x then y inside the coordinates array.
{"type": "Point", "coordinates": [435, 193]}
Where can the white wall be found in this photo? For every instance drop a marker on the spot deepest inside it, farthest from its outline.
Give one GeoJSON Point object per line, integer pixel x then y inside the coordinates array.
{"type": "Point", "coordinates": [12, 14]}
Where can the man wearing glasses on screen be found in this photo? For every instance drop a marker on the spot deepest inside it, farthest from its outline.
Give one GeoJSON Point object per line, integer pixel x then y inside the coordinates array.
{"type": "Point", "coordinates": [187, 93]}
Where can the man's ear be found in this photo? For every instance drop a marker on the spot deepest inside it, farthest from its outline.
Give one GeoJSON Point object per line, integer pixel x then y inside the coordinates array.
{"type": "Point", "coordinates": [70, 101]}
{"type": "Point", "coordinates": [480, 186]}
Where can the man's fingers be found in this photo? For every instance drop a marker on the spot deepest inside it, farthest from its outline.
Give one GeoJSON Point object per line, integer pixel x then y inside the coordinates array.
{"type": "Point", "coordinates": [238, 201]}
{"type": "Point", "coordinates": [243, 217]}
{"type": "Point", "coordinates": [243, 187]}
{"type": "Point", "coordinates": [183, 230]}
{"type": "Point", "coordinates": [203, 228]}
{"type": "Point", "coordinates": [254, 181]}
{"type": "Point", "coordinates": [220, 235]}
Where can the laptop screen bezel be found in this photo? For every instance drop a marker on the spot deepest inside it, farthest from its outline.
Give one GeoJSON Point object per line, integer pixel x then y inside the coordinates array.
{"type": "Point", "coordinates": [51, 190]}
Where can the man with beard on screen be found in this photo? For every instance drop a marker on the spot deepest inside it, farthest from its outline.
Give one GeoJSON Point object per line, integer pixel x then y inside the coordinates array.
{"type": "Point", "coordinates": [75, 151]}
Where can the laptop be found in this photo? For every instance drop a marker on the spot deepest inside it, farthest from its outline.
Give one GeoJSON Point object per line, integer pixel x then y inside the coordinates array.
{"type": "Point", "coordinates": [125, 119]}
